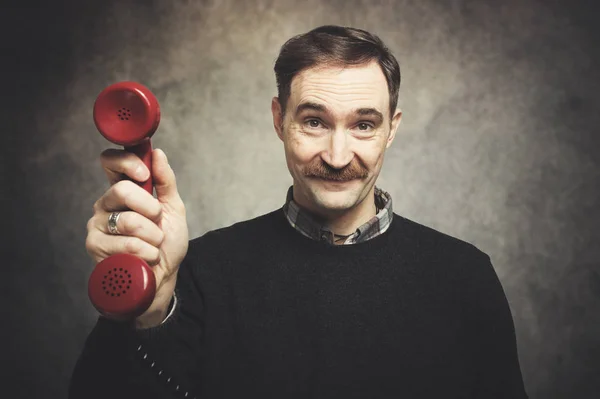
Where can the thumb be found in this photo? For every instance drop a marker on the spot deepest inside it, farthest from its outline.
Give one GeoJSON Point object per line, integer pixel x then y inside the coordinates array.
{"type": "Point", "coordinates": [164, 177]}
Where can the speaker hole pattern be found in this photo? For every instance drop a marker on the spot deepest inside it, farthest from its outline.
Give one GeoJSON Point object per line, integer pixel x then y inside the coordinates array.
{"type": "Point", "coordinates": [124, 114]}
{"type": "Point", "coordinates": [116, 282]}
{"type": "Point", "coordinates": [167, 379]}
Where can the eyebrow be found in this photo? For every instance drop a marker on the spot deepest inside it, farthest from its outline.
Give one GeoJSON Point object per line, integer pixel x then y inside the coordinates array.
{"type": "Point", "coordinates": [322, 108]}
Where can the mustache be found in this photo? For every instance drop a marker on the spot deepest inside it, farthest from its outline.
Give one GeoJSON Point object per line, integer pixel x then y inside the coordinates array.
{"type": "Point", "coordinates": [319, 169]}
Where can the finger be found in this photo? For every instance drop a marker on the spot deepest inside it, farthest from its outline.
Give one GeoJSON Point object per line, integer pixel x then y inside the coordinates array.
{"type": "Point", "coordinates": [133, 224]}
{"type": "Point", "coordinates": [121, 164]}
{"type": "Point", "coordinates": [164, 178]}
{"type": "Point", "coordinates": [127, 195]}
{"type": "Point", "coordinates": [100, 246]}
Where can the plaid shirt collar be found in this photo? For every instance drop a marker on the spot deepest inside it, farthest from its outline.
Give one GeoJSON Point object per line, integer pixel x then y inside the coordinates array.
{"type": "Point", "coordinates": [306, 224]}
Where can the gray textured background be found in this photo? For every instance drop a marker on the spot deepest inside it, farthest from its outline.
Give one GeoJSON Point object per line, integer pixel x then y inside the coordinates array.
{"type": "Point", "coordinates": [498, 146]}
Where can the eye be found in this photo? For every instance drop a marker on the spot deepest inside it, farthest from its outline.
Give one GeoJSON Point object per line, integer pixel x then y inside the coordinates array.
{"type": "Point", "coordinates": [364, 126]}
{"type": "Point", "coordinates": [313, 123]}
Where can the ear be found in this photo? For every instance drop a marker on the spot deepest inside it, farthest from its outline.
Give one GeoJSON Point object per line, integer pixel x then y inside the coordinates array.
{"type": "Point", "coordinates": [395, 123]}
{"type": "Point", "coordinates": [277, 117]}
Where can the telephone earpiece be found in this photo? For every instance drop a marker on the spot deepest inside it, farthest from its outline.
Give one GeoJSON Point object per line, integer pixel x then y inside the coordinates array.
{"type": "Point", "coordinates": [123, 286]}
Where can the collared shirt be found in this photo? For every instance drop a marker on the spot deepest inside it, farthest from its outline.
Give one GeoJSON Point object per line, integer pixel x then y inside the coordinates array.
{"type": "Point", "coordinates": [306, 224]}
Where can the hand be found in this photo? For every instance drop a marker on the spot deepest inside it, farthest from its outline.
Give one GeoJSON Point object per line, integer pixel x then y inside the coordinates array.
{"type": "Point", "coordinates": [153, 229]}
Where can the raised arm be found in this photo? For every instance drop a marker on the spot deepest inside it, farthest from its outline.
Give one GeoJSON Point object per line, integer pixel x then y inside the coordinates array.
{"type": "Point", "coordinates": [142, 356]}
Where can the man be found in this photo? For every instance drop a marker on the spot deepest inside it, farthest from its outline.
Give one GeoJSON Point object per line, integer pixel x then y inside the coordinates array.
{"type": "Point", "coordinates": [331, 296]}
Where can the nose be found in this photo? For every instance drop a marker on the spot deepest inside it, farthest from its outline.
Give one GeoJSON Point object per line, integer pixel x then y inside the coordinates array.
{"type": "Point", "coordinates": [338, 153]}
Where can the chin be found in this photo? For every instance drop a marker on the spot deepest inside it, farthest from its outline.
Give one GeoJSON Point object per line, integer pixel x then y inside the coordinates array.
{"type": "Point", "coordinates": [335, 200]}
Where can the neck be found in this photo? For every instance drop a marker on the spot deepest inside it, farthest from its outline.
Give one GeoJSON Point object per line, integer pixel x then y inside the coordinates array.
{"type": "Point", "coordinates": [343, 222]}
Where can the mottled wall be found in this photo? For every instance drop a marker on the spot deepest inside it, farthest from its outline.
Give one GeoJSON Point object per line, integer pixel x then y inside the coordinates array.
{"type": "Point", "coordinates": [498, 146]}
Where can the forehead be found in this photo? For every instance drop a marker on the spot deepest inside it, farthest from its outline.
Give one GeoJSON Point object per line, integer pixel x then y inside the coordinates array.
{"type": "Point", "coordinates": [341, 88]}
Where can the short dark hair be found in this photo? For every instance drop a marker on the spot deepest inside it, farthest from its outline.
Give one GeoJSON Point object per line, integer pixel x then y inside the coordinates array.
{"type": "Point", "coordinates": [331, 45]}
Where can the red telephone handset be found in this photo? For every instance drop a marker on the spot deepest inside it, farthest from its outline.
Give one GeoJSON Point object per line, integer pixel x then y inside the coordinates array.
{"type": "Point", "coordinates": [123, 286]}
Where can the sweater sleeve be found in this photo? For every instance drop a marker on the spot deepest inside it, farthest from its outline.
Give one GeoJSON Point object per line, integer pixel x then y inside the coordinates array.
{"type": "Point", "coordinates": [119, 361]}
{"type": "Point", "coordinates": [498, 369]}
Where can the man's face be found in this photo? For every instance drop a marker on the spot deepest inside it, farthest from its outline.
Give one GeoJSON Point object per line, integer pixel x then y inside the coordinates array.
{"type": "Point", "coordinates": [335, 132]}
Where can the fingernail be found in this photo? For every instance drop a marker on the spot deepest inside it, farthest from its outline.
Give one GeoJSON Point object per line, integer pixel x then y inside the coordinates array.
{"type": "Point", "coordinates": [140, 173]}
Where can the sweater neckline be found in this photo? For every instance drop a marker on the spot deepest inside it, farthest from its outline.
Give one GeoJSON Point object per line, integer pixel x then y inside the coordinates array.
{"type": "Point", "coordinates": [326, 248]}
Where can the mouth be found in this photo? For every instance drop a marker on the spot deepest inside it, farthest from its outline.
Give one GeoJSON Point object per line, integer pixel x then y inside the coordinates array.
{"type": "Point", "coordinates": [334, 181]}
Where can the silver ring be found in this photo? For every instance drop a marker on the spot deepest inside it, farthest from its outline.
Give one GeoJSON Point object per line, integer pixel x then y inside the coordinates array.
{"type": "Point", "coordinates": [112, 222]}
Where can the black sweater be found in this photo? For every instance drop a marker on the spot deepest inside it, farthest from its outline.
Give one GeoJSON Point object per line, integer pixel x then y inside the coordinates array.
{"type": "Point", "coordinates": [265, 312]}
